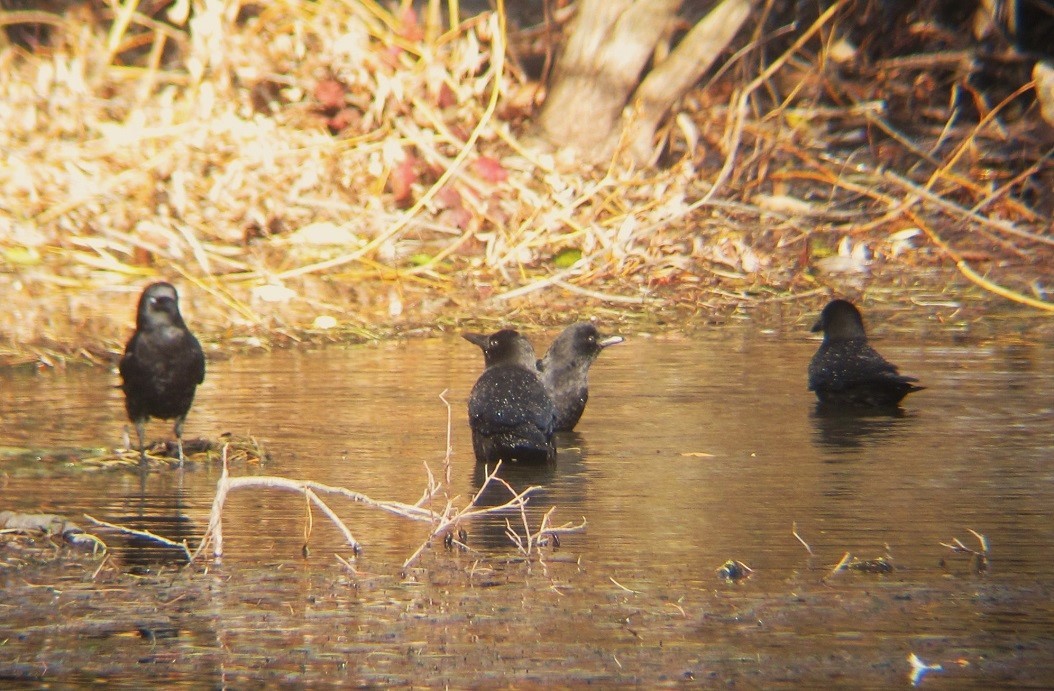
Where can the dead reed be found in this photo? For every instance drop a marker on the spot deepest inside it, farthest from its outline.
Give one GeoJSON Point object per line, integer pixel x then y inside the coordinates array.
{"type": "Point", "coordinates": [339, 170]}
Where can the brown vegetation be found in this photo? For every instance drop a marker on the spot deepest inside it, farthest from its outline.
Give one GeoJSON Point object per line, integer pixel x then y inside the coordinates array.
{"type": "Point", "coordinates": [336, 171]}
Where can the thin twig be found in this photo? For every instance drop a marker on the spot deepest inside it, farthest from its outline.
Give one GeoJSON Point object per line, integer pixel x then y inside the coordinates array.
{"type": "Point", "coordinates": [961, 211]}
{"type": "Point", "coordinates": [141, 533]}
{"type": "Point", "coordinates": [846, 558]}
{"type": "Point", "coordinates": [628, 590]}
{"type": "Point", "coordinates": [794, 532]}
{"type": "Point", "coordinates": [740, 112]}
{"type": "Point", "coordinates": [966, 270]}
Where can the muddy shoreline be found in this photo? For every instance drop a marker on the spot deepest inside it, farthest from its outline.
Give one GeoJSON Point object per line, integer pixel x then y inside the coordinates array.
{"type": "Point", "coordinates": [91, 326]}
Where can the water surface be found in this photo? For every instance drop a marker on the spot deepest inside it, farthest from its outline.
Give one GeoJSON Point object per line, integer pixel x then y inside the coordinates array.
{"type": "Point", "coordinates": [691, 452]}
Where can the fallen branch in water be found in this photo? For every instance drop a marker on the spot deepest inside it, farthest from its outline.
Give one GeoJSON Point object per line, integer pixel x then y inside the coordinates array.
{"type": "Point", "coordinates": [545, 535]}
{"type": "Point", "coordinates": [447, 521]}
{"type": "Point", "coordinates": [980, 558]}
{"type": "Point", "coordinates": [435, 506]}
{"type": "Point", "coordinates": [141, 533]}
{"type": "Point", "coordinates": [529, 542]}
{"type": "Point", "coordinates": [214, 532]}
{"type": "Point", "coordinates": [443, 521]}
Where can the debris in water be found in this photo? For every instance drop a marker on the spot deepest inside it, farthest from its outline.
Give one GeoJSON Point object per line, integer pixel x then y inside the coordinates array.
{"type": "Point", "coordinates": [794, 532]}
{"type": "Point", "coordinates": [734, 571]}
{"type": "Point", "coordinates": [979, 560]}
{"type": "Point", "coordinates": [848, 562]}
{"type": "Point", "coordinates": [920, 668]}
{"type": "Point", "coordinates": [47, 524]}
{"type": "Point", "coordinates": [879, 565]}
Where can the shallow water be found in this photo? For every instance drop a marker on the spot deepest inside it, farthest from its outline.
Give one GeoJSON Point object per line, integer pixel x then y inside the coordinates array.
{"type": "Point", "coordinates": [691, 452]}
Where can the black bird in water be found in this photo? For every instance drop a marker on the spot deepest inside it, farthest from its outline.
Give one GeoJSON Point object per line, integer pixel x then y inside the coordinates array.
{"type": "Point", "coordinates": [846, 370]}
{"type": "Point", "coordinates": [511, 414]}
{"type": "Point", "coordinates": [565, 370]}
{"type": "Point", "coordinates": [162, 364]}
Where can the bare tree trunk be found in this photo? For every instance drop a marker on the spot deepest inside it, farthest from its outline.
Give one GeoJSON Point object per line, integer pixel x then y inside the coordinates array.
{"type": "Point", "coordinates": [610, 42]}
{"type": "Point", "coordinates": [673, 77]}
{"type": "Point", "coordinates": [598, 73]}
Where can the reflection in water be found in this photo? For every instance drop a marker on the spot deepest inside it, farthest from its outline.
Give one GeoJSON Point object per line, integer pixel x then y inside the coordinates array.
{"type": "Point", "coordinates": [158, 507]}
{"type": "Point", "coordinates": [490, 531]}
{"type": "Point", "coordinates": [572, 452]}
{"type": "Point", "coordinates": [559, 484]}
{"type": "Point", "coordinates": [841, 429]}
{"type": "Point", "coordinates": [692, 451]}
{"type": "Point", "coordinates": [846, 434]}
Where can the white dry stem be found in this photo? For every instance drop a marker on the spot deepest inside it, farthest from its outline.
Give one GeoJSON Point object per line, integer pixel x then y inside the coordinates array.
{"type": "Point", "coordinates": [442, 521]}
{"type": "Point", "coordinates": [794, 532]}
{"type": "Point", "coordinates": [141, 533]}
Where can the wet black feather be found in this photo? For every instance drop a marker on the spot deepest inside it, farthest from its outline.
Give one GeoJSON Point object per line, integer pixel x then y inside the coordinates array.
{"type": "Point", "coordinates": [511, 415]}
{"type": "Point", "coordinates": [847, 370]}
{"type": "Point", "coordinates": [565, 371]}
{"type": "Point", "coordinates": [163, 362]}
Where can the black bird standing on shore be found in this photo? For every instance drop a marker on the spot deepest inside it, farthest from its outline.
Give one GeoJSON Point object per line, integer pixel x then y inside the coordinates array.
{"type": "Point", "coordinates": [511, 415]}
{"type": "Point", "coordinates": [565, 370]}
{"type": "Point", "coordinates": [162, 364]}
{"type": "Point", "coordinates": [846, 370]}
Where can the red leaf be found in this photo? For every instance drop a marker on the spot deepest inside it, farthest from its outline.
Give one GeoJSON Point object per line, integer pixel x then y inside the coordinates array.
{"type": "Point", "coordinates": [402, 178]}
{"type": "Point", "coordinates": [446, 97]}
{"type": "Point", "coordinates": [410, 28]}
{"type": "Point", "coordinates": [449, 198]}
{"type": "Point", "coordinates": [344, 119]}
{"type": "Point", "coordinates": [330, 94]}
{"type": "Point", "coordinates": [490, 169]}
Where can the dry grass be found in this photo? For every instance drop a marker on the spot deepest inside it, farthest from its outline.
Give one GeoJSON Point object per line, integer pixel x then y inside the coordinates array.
{"type": "Point", "coordinates": [198, 148]}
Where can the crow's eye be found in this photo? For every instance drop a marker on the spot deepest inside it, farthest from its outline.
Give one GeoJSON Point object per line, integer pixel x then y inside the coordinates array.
{"type": "Point", "coordinates": [493, 343]}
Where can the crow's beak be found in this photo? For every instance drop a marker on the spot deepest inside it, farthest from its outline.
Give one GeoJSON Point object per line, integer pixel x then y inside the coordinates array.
{"type": "Point", "coordinates": [478, 339]}
{"type": "Point", "coordinates": [610, 341]}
